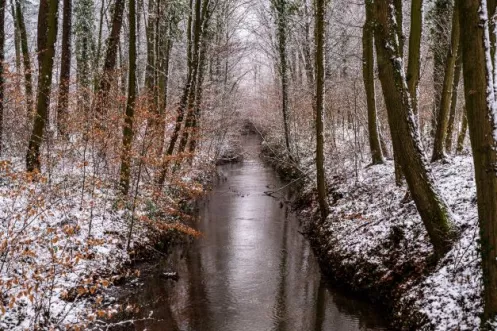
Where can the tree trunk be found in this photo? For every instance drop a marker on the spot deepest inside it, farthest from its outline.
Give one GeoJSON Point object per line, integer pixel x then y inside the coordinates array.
{"type": "Point", "coordinates": [462, 133]}
{"type": "Point", "coordinates": [110, 58]}
{"type": "Point", "coordinates": [150, 83]}
{"type": "Point", "coordinates": [480, 107]}
{"type": "Point", "coordinates": [433, 210]}
{"type": "Point", "coordinates": [127, 141]}
{"type": "Point", "coordinates": [201, 22]}
{"type": "Point", "coordinates": [26, 62]}
{"type": "Point", "coordinates": [197, 91]}
{"type": "Point", "coordinates": [368, 77]}
{"type": "Point", "coordinates": [399, 17]}
{"type": "Point", "coordinates": [3, 5]}
{"type": "Point", "coordinates": [17, 37]}
{"type": "Point", "coordinates": [280, 7]}
{"type": "Point", "coordinates": [191, 72]}
{"type": "Point", "coordinates": [319, 31]}
{"type": "Point", "coordinates": [440, 45]}
{"type": "Point", "coordinates": [414, 61]}
{"type": "Point", "coordinates": [65, 68]}
{"type": "Point", "coordinates": [47, 36]}
{"type": "Point", "coordinates": [453, 103]}
{"type": "Point", "coordinates": [446, 92]}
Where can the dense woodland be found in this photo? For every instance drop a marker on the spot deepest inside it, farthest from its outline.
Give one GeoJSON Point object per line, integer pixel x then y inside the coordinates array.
{"type": "Point", "coordinates": [113, 113]}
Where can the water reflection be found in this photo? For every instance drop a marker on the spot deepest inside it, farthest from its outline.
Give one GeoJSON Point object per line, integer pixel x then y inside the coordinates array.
{"type": "Point", "coordinates": [251, 271]}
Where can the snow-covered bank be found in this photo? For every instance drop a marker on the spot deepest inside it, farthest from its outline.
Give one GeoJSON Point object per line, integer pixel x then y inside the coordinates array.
{"type": "Point", "coordinates": [63, 241]}
{"type": "Point", "coordinates": [375, 244]}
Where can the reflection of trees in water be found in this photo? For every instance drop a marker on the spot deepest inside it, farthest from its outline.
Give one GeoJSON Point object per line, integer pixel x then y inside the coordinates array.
{"type": "Point", "coordinates": [357, 308]}
{"type": "Point", "coordinates": [280, 306]}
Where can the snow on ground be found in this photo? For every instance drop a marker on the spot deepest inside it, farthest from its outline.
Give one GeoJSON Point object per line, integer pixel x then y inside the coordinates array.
{"type": "Point", "coordinates": [61, 244]}
{"type": "Point", "coordinates": [371, 222]}
{"type": "Point", "coordinates": [375, 242]}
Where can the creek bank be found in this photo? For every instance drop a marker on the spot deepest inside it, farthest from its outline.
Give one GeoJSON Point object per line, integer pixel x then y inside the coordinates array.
{"type": "Point", "coordinates": [374, 244]}
{"type": "Point", "coordinates": [251, 269]}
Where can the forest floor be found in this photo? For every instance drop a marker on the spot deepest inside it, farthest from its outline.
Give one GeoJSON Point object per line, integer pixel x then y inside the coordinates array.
{"type": "Point", "coordinates": [374, 242]}
{"type": "Point", "coordinates": [63, 241]}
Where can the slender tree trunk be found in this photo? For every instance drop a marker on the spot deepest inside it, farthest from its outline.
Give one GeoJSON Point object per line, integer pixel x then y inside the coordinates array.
{"type": "Point", "coordinates": [446, 92]}
{"type": "Point", "coordinates": [481, 114]}
{"type": "Point", "coordinates": [191, 49]}
{"type": "Point", "coordinates": [281, 9]}
{"type": "Point", "coordinates": [164, 91]}
{"type": "Point", "coordinates": [309, 70]}
{"type": "Point", "coordinates": [3, 5]}
{"type": "Point", "coordinates": [368, 77]}
{"type": "Point", "coordinates": [319, 30]}
{"type": "Point", "coordinates": [47, 36]}
{"type": "Point", "coordinates": [127, 141]}
{"type": "Point", "coordinates": [414, 61]}
{"type": "Point", "coordinates": [26, 62]}
{"type": "Point", "coordinates": [110, 58]}
{"type": "Point", "coordinates": [198, 100]}
{"type": "Point", "coordinates": [197, 91]}
{"type": "Point", "coordinates": [17, 37]}
{"type": "Point", "coordinates": [201, 22]}
{"type": "Point", "coordinates": [65, 68]}
{"type": "Point", "coordinates": [462, 133]}
{"type": "Point", "coordinates": [433, 210]}
{"type": "Point", "coordinates": [399, 17]}
{"type": "Point", "coordinates": [440, 40]}
{"type": "Point", "coordinates": [150, 83]}
{"type": "Point", "coordinates": [453, 103]}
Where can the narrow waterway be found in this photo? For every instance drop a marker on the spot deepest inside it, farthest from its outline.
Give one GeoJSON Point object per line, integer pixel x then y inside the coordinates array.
{"type": "Point", "coordinates": [250, 271]}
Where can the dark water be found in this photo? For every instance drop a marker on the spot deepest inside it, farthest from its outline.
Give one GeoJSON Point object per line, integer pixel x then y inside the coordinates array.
{"type": "Point", "coordinates": [251, 271]}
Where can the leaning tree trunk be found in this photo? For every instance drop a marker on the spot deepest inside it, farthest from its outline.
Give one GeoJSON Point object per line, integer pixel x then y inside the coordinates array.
{"type": "Point", "coordinates": [125, 172]}
{"type": "Point", "coordinates": [65, 68]}
{"type": "Point", "coordinates": [446, 92]}
{"type": "Point", "coordinates": [433, 210]}
{"type": "Point", "coordinates": [369, 85]}
{"type": "Point", "coordinates": [319, 31]}
{"type": "Point", "coordinates": [481, 113]}
{"type": "Point", "coordinates": [47, 36]}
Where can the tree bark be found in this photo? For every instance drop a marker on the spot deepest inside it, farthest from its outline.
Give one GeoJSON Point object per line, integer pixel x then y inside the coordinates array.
{"type": "Point", "coordinates": [319, 31]}
{"type": "Point", "coordinates": [453, 103]}
{"type": "Point", "coordinates": [281, 12]}
{"type": "Point", "coordinates": [47, 36]}
{"type": "Point", "coordinates": [26, 62]}
{"type": "Point", "coordinates": [110, 58]}
{"type": "Point", "coordinates": [125, 172]}
{"type": "Point", "coordinates": [3, 5]}
{"type": "Point", "coordinates": [17, 36]}
{"type": "Point", "coordinates": [369, 85]}
{"type": "Point", "coordinates": [462, 133]}
{"type": "Point", "coordinates": [440, 44]}
{"type": "Point", "coordinates": [446, 92]}
{"type": "Point", "coordinates": [432, 208]}
{"type": "Point", "coordinates": [65, 68]}
{"type": "Point", "coordinates": [414, 61]}
{"type": "Point", "coordinates": [481, 114]}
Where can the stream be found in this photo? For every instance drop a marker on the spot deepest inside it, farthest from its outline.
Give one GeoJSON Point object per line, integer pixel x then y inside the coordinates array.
{"type": "Point", "coordinates": [250, 271]}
